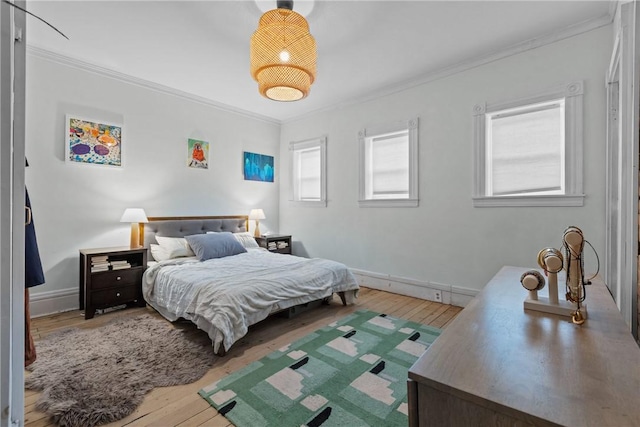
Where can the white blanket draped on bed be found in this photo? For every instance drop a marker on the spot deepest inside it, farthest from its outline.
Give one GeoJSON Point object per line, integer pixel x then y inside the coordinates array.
{"type": "Point", "coordinates": [224, 296]}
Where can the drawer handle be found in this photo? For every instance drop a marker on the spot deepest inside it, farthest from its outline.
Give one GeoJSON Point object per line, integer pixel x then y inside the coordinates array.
{"type": "Point", "coordinates": [118, 278]}
{"type": "Point", "coordinates": [117, 294]}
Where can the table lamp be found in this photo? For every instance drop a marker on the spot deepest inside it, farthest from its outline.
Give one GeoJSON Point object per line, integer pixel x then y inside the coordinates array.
{"type": "Point", "coordinates": [136, 217]}
{"type": "Point", "coordinates": [257, 215]}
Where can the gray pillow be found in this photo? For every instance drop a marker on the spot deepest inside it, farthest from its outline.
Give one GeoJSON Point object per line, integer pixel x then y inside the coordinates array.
{"type": "Point", "coordinates": [217, 245]}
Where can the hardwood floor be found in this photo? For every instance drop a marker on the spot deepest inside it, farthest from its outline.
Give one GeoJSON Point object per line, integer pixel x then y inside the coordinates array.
{"type": "Point", "coordinates": [181, 405]}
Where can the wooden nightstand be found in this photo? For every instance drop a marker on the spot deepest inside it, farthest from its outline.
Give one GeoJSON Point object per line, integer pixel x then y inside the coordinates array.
{"type": "Point", "coordinates": [277, 243]}
{"type": "Point", "coordinates": [110, 277]}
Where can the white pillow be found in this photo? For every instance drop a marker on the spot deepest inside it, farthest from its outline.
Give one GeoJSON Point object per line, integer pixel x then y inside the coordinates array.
{"type": "Point", "coordinates": [175, 246]}
{"type": "Point", "coordinates": [158, 252]}
{"type": "Point", "coordinates": [245, 238]}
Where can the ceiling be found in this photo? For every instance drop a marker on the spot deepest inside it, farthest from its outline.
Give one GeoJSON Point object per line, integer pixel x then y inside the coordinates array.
{"type": "Point", "coordinates": [364, 47]}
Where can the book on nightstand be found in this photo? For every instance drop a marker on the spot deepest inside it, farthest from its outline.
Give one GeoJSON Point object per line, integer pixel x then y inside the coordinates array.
{"type": "Point", "coordinates": [120, 265]}
{"type": "Point", "coordinates": [96, 268]}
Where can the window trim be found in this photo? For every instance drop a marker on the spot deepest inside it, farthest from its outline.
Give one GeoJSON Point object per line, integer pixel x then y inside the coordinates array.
{"type": "Point", "coordinates": [411, 126]}
{"type": "Point", "coordinates": [320, 142]}
{"type": "Point", "coordinates": [573, 156]}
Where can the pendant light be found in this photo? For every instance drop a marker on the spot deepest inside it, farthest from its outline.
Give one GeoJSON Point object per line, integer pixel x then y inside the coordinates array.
{"type": "Point", "coordinates": [283, 54]}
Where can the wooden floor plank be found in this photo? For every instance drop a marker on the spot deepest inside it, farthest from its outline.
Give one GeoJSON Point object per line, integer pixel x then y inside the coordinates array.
{"type": "Point", "coordinates": [217, 421]}
{"type": "Point", "coordinates": [181, 405]}
{"type": "Point", "coordinates": [443, 318]}
{"type": "Point", "coordinates": [206, 415]}
{"type": "Point", "coordinates": [458, 310]}
{"type": "Point", "coordinates": [175, 413]}
{"type": "Point", "coordinates": [396, 304]}
{"type": "Point", "coordinates": [422, 305]}
{"type": "Point", "coordinates": [426, 311]}
{"type": "Point", "coordinates": [434, 315]}
{"type": "Point", "coordinates": [40, 422]}
{"type": "Point", "coordinates": [31, 415]}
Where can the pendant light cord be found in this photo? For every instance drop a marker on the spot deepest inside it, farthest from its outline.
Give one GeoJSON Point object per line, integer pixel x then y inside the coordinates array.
{"type": "Point", "coordinates": [35, 16]}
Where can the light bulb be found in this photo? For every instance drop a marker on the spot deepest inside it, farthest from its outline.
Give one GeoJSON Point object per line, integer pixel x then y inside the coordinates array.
{"type": "Point", "coordinates": [284, 56]}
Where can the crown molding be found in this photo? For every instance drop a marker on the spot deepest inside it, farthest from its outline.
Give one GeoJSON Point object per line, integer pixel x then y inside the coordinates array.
{"type": "Point", "coordinates": [126, 78]}
{"type": "Point", "coordinates": [527, 45]}
{"type": "Point", "coordinates": [613, 8]}
{"type": "Point", "coordinates": [571, 31]}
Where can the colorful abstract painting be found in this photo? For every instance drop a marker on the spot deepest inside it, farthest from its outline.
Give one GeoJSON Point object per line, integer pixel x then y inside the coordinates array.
{"type": "Point", "coordinates": [258, 167]}
{"type": "Point", "coordinates": [93, 142]}
{"type": "Point", "coordinates": [197, 154]}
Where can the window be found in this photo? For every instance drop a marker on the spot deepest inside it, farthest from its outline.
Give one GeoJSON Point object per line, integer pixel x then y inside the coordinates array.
{"type": "Point", "coordinates": [389, 165]}
{"type": "Point", "coordinates": [308, 172]}
{"type": "Point", "coordinates": [529, 152]}
{"type": "Point", "coordinates": [525, 150]}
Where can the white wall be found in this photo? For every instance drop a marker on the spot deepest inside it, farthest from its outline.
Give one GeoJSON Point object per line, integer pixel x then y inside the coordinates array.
{"type": "Point", "coordinates": [445, 242]}
{"type": "Point", "coordinates": [78, 206]}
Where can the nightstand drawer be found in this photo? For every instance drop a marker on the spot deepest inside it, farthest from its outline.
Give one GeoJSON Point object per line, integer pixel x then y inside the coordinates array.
{"type": "Point", "coordinates": [114, 296]}
{"type": "Point", "coordinates": [116, 278]}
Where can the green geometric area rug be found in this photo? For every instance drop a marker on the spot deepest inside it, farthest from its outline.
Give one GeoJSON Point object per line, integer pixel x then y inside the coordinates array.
{"type": "Point", "coordinates": [350, 373]}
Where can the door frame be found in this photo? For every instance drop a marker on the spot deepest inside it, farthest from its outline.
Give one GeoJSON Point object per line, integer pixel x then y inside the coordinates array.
{"type": "Point", "coordinates": [12, 204]}
{"type": "Point", "coordinates": [621, 257]}
{"type": "Point", "coordinates": [612, 267]}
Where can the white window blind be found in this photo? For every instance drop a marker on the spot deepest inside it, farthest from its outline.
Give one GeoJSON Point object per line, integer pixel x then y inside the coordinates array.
{"type": "Point", "coordinates": [309, 172]}
{"type": "Point", "coordinates": [388, 166]}
{"type": "Point", "coordinates": [528, 151]}
{"type": "Point", "coordinates": [308, 167]}
{"type": "Point", "coordinates": [525, 150]}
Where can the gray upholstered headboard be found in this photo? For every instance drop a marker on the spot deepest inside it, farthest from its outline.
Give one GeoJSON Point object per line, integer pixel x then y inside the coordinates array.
{"type": "Point", "coordinates": [187, 225]}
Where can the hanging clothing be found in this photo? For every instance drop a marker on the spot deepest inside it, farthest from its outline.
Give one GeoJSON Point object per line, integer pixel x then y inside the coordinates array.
{"type": "Point", "coordinates": [29, 346]}
{"type": "Point", "coordinates": [33, 276]}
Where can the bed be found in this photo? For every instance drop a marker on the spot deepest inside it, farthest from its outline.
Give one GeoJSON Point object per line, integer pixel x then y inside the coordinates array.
{"type": "Point", "coordinates": [223, 289]}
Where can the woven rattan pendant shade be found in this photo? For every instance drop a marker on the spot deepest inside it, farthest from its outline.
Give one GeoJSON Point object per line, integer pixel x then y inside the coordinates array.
{"type": "Point", "coordinates": [283, 56]}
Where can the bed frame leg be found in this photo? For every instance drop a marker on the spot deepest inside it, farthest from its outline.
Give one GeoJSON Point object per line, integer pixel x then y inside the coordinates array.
{"type": "Point", "coordinates": [343, 298]}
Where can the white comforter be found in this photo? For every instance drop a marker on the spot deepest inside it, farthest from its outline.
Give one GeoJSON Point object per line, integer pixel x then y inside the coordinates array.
{"type": "Point", "coordinates": [224, 296]}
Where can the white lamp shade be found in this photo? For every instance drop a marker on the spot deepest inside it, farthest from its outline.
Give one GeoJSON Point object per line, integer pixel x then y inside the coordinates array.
{"type": "Point", "coordinates": [134, 215]}
{"type": "Point", "coordinates": [256, 214]}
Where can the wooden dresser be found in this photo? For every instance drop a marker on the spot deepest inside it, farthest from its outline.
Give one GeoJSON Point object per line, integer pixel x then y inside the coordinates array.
{"type": "Point", "coordinates": [496, 364]}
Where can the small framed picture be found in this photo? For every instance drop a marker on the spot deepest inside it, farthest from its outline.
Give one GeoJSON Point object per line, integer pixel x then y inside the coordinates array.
{"type": "Point", "coordinates": [257, 167]}
{"type": "Point", "coordinates": [197, 154]}
{"type": "Point", "coordinates": [93, 141]}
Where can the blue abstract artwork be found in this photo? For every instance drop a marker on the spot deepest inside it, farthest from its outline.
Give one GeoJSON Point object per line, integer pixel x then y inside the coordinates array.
{"type": "Point", "coordinates": [258, 167]}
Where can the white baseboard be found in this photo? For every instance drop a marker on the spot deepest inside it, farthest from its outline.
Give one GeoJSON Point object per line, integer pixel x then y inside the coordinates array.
{"type": "Point", "coordinates": [430, 291]}
{"type": "Point", "coordinates": [50, 302]}
{"type": "Point", "coordinates": [460, 297]}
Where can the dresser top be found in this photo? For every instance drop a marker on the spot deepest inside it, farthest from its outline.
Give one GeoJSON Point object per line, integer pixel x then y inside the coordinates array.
{"type": "Point", "coordinates": [538, 366]}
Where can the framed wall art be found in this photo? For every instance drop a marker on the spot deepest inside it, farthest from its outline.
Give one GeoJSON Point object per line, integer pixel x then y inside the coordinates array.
{"type": "Point", "coordinates": [197, 154]}
{"type": "Point", "coordinates": [93, 142]}
{"type": "Point", "coordinates": [257, 167]}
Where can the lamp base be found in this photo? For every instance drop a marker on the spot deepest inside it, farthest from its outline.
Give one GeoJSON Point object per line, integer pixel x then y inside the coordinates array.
{"type": "Point", "coordinates": [256, 233]}
{"type": "Point", "coordinates": [135, 236]}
